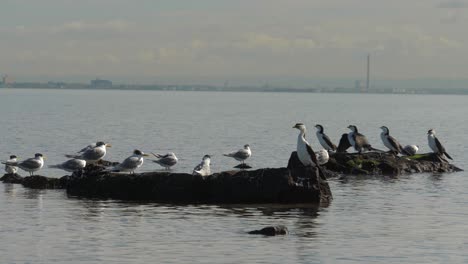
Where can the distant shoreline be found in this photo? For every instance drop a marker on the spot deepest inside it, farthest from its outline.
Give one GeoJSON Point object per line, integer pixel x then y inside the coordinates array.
{"type": "Point", "coordinates": [206, 88]}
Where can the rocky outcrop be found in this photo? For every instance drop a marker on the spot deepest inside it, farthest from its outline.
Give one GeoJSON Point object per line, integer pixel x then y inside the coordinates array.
{"type": "Point", "coordinates": [278, 185]}
{"type": "Point", "coordinates": [42, 182]}
{"type": "Point", "coordinates": [12, 178]}
{"type": "Point", "coordinates": [383, 163]}
{"type": "Point", "coordinates": [271, 231]}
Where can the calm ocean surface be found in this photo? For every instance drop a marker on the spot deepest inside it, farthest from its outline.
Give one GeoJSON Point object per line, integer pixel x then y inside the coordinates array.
{"type": "Point", "coordinates": [420, 218]}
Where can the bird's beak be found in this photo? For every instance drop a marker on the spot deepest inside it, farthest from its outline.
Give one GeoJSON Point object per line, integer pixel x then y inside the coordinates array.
{"type": "Point", "coordinates": [109, 145]}
{"type": "Point", "coordinates": [145, 155]}
{"type": "Point", "coordinates": [294, 126]}
{"type": "Point", "coordinates": [44, 157]}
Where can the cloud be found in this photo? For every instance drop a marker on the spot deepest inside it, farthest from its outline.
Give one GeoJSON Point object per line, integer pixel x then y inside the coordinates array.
{"type": "Point", "coordinates": [453, 4]}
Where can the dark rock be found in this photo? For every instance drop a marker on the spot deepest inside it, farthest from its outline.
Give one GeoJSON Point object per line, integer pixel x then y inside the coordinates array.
{"type": "Point", "coordinates": [271, 231]}
{"type": "Point", "coordinates": [310, 177]}
{"type": "Point", "coordinates": [243, 166]}
{"type": "Point", "coordinates": [12, 178]}
{"type": "Point", "coordinates": [257, 186]}
{"type": "Point", "coordinates": [41, 182]}
{"type": "Point", "coordinates": [384, 163]}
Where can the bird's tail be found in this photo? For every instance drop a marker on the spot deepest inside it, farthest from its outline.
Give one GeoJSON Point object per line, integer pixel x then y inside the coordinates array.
{"type": "Point", "coordinates": [10, 163]}
{"type": "Point", "coordinates": [54, 166]}
{"type": "Point", "coordinates": [156, 155]}
{"type": "Point", "coordinates": [71, 156]}
{"type": "Point", "coordinates": [448, 156]}
{"type": "Point", "coordinates": [369, 147]}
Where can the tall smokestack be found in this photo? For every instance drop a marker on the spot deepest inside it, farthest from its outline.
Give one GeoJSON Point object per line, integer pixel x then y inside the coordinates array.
{"type": "Point", "coordinates": [368, 73]}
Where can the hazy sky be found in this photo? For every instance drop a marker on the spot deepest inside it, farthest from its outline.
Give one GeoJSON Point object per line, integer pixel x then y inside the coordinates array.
{"type": "Point", "coordinates": [243, 41]}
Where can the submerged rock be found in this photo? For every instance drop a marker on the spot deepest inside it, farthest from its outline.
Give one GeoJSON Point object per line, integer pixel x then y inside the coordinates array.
{"type": "Point", "coordinates": [271, 231]}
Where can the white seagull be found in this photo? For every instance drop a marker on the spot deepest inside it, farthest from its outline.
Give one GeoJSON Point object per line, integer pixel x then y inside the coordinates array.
{"type": "Point", "coordinates": [435, 144]}
{"type": "Point", "coordinates": [166, 161]}
{"type": "Point", "coordinates": [30, 165]}
{"type": "Point", "coordinates": [71, 165]}
{"type": "Point", "coordinates": [131, 163]}
{"type": "Point", "coordinates": [304, 151]}
{"type": "Point", "coordinates": [411, 149]}
{"type": "Point", "coordinates": [92, 153]}
{"type": "Point", "coordinates": [241, 154]}
{"type": "Point", "coordinates": [11, 169]}
{"type": "Point", "coordinates": [322, 156]}
{"type": "Point", "coordinates": [203, 169]}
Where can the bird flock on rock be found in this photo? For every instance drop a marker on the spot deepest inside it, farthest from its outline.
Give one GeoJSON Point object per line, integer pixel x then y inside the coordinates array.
{"type": "Point", "coordinates": [93, 153]}
{"type": "Point", "coordinates": [359, 142]}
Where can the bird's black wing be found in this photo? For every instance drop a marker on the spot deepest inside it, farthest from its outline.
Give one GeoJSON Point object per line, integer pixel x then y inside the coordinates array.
{"type": "Point", "coordinates": [311, 153]}
{"type": "Point", "coordinates": [328, 141]}
{"type": "Point", "coordinates": [441, 148]}
{"type": "Point", "coordinates": [344, 143]}
{"type": "Point", "coordinates": [394, 143]}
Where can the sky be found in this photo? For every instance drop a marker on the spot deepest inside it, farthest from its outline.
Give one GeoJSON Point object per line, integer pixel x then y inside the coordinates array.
{"type": "Point", "coordinates": [243, 42]}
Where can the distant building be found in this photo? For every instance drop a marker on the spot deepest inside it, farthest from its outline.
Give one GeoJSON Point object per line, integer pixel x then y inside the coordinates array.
{"type": "Point", "coordinates": [7, 80]}
{"type": "Point", "coordinates": [98, 83]}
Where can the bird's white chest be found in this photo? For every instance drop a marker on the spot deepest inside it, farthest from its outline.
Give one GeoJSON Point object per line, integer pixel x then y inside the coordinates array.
{"type": "Point", "coordinates": [302, 153]}
{"type": "Point", "coordinates": [322, 140]}
{"type": "Point", "coordinates": [351, 139]}
{"type": "Point", "coordinates": [386, 141]}
{"type": "Point", "coordinates": [432, 143]}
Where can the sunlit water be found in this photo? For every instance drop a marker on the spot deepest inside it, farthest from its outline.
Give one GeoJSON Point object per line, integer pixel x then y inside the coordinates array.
{"type": "Point", "coordinates": [419, 218]}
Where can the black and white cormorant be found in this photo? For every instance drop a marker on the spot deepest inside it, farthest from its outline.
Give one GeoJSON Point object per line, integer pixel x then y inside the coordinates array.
{"type": "Point", "coordinates": [304, 151]}
{"type": "Point", "coordinates": [358, 140]}
{"type": "Point", "coordinates": [391, 143]}
{"type": "Point", "coordinates": [324, 139]}
{"type": "Point", "coordinates": [435, 144]}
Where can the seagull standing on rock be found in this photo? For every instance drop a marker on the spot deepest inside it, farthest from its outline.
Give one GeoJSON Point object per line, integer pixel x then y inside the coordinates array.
{"type": "Point", "coordinates": [166, 161]}
{"type": "Point", "coordinates": [241, 154]}
{"type": "Point", "coordinates": [71, 165]}
{"type": "Point", "coordinates": [11, 169]}
{"type": "Point", "coordinates": [203, 169]}
{"type": "Point", "coordinates": [304, 151]}
{"type": "Point", "coordinates": [30, 165]}
{"type": "Point", "coordinates": [131, 163]}
{"type": "Point", "coordinates": [92, 153]}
